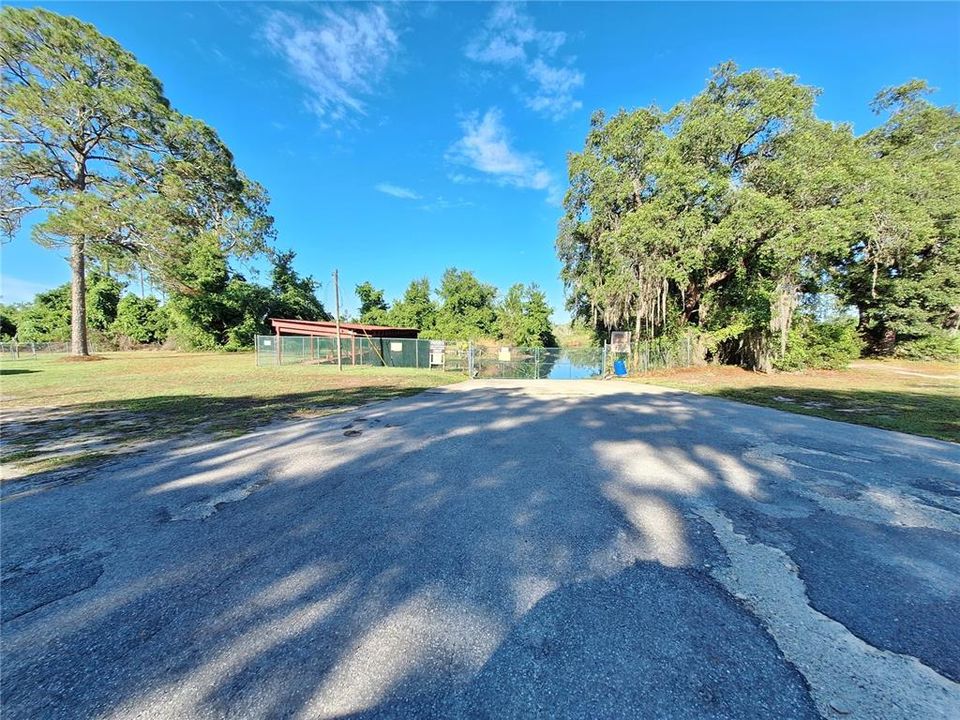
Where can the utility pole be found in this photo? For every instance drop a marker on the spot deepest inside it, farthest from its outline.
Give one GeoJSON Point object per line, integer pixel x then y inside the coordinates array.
{"type": "Point", "coordinates": [336, 291]}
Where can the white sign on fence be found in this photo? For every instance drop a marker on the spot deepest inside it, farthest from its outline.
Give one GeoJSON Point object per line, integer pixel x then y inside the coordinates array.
{"type": "Point", "coordinates": [437, 348]}
{"type": "Point", "coordinates": [620, 342]}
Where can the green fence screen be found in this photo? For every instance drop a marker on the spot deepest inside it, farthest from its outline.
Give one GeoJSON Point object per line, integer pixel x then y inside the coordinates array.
{"type": "Point", "coordinates": [388, 352]}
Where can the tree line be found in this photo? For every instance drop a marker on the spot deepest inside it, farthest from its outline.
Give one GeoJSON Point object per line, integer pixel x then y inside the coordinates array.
{"type": "Point", "coordinates": [779, 238]}
{"type": "Point", "coordinates": [464, 308]}
{"type": "Point", "coordinates": [232, 310]}
{"type": "Point", "coordinates": [226, 314]}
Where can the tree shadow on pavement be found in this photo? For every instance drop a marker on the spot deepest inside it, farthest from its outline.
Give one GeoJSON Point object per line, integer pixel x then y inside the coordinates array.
{"type": "Point", "coordinates": [476, 554]}
{"type": "Point", "coordinates": [118, 426]}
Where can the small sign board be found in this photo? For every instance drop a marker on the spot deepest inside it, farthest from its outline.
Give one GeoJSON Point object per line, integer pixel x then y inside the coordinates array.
{"type": "Point", "coordinates": [504, 355]}
{"type": "Point", "coordinates": [267, 343]}
{"type": "Point", "coordinates": [620, 342]}
{"type": "Point", "coordinates": [396, 347]}
{"type": "Point", "coordinates": [436, 352]}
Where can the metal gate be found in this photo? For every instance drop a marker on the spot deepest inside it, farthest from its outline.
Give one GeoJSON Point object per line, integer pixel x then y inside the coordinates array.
{"type": "Point", "coordinates": [554, 363]}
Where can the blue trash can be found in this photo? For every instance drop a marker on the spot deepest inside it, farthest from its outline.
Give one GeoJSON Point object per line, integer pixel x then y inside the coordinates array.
{"type": "Point", "coordinates": [620, 368]}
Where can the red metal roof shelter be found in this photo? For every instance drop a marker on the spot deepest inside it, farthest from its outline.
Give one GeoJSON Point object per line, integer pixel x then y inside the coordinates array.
{"type": "Point", "coordinates": [327, 328]}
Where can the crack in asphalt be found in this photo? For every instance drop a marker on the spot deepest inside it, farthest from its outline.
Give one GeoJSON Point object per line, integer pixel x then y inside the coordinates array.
{"type": "Point", "coordinates": [847, 676]}
{"type": "Point", "coordinates": [884, 505]}
{"type": "Point", "coordinates": [32, 586]}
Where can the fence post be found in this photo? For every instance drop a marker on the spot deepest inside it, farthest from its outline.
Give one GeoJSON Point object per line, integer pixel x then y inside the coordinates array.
{"type": "Point", "coordinates": [470, 359]}
{"type": "Point", "coordinates": [536, 363]}
{"type": "Point", "coordinates": [603, 361]}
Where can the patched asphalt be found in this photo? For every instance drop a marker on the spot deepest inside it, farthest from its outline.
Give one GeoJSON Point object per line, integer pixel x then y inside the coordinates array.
{"type": "Point", "coordinates": [578, 549]}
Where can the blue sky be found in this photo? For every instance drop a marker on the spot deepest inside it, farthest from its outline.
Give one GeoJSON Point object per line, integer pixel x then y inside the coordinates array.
{"type": "Point", "coordinates": [398, 140]}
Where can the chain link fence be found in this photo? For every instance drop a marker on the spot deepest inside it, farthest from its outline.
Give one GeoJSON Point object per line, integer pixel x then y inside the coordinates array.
{"type": "Point", "coordinates": [14, 350]}
{"type": "Point", "coordinates": [554, 363]}
{"type": "Point", "coordinates": [362, 351]}
{"type": "Point", "coordinates": [537, 363]}
{"type": "Point", "coordinates": [662, 353]}
{"type": "Point", "coordinates": [477, 360]}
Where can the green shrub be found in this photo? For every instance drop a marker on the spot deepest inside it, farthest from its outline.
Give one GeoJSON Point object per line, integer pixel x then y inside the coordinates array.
{"type": "Point", "coordinates": [103, 296]}
{"type": "Point", "coordinates": [142, 320]}
{"type": "Point", "coordinates": [820, 345]}
{"type": "Point", "coordinates": [47, 317]}
{"type": "Point", "coordinates": [942, 346]}
{"type": "Point", "coordinates": [240, 336]}
{"type": "Point", "coordinates": [189, 337]}
{"type": "Point", "coordinates": [9, 316]}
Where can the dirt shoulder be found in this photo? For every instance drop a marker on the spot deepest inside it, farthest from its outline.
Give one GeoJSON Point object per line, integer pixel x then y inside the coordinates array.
{"type": "Point", "coordinates": [922, 398]}
{"type": "Point", "coordinates": [60, 416]}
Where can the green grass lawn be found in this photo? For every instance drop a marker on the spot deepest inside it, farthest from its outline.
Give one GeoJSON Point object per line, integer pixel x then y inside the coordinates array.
{"type": "Point", "coordinates": [913, 397]}
{"type": "Point", "coordinates": [59, 413]}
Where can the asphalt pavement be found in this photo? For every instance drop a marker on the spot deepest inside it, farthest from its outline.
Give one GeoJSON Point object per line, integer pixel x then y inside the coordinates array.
{"type": "Point", "coordinates": [552, 549]}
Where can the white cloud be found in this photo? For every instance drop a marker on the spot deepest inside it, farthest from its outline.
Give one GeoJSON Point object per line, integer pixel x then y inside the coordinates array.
{"type": "Point", "coordinates": [555, 87]}
{"type": "Point", "coordinates": [428, 204]}
{"type": "Point", "coordinates": [340, 57]}
{"type": "Point", "coordinates": [397, 191]}
{"type": "Point", "coordinates": [510, 35]}
{"type": "Point", "coordinates": [485, 147]}
{"type": "Point", "coordinates": [510, 38]}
